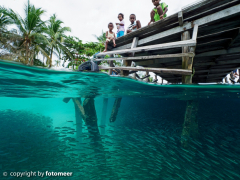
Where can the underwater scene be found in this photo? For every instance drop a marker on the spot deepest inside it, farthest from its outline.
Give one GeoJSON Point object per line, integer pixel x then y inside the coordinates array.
{"type": "Point", "coordinates": [76, 125]}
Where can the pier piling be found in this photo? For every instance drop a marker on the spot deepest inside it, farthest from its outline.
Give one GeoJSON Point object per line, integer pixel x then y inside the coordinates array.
{"type": "Point", "coordinates": [190, 125]}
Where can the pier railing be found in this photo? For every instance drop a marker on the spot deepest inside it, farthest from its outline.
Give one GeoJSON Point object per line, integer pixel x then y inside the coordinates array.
{"type": "Point", "coordinates": [205, 21]}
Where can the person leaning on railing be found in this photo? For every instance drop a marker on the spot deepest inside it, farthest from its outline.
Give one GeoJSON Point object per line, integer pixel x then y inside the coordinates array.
{"type": "Point", "coordinates": [135, 24]}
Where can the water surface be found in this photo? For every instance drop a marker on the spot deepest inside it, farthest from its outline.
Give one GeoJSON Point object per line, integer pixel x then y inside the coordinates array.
{"type": "Point", "coordinates": [147, 140]}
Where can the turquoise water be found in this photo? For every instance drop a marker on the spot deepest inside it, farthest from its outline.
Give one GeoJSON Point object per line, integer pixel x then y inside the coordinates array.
{"type": "Point", "coordinates": [162, 132]}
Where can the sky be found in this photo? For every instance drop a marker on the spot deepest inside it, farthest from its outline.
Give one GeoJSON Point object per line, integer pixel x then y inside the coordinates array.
{"type": "Point", "coordinates": [86, 17]}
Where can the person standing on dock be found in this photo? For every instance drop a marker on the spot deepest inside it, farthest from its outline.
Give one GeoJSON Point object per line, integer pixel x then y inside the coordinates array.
{"type": "Point", "coordinates": [110, 35]}
{"type": "Point", "coordinates": [159, 12]}
{"type": "Point", "coordinates": [120, 25]}
{"type": "Point", "coordinates": [135, 24]}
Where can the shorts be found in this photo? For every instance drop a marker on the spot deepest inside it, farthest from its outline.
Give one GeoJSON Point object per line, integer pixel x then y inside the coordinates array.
{"type": "Point", "coordinates": [120, 34]}
{"type": "Point", "coordinates": [113, 73]}
{"type": "Point", "coordinates": [108, 40]}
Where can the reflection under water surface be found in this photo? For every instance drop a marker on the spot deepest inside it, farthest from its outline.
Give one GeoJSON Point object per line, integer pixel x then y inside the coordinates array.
{"type": "Point", "coordinates": [100, 127]}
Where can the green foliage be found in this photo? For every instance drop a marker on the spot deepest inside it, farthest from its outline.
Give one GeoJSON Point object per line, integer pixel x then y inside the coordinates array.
{"type": "Point", "coordinates": [30, 32]}
{"type": "Point", "coordinates": [102, 38]}
{"type": "Point", "coordinates": [79, 51]}
{"type": "Point", "coordinates": [55, 34]}
{"type": "Point", "coordinates": [151, 79]}
{"type": "Point", "coordinates": [38, 62]}
{"type": "Point", "coordinates": [5, 20]}
{"type": "Point", "coordinates": [33, 36]}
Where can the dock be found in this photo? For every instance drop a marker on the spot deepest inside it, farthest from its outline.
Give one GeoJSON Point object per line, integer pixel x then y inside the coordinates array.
{"type": "Point", "coordinates": [199, 44]}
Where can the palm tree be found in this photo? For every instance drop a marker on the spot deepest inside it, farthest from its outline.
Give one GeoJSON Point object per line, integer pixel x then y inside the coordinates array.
{"type": "Point", "coordinates": [30, 29]}
{"type": "Point", "coordinates": [57, 62]}
{"type": "Point", "coordinates": [5, 20]}
{"type": "Point", "coordinates": [56, 34]}
{"type": "Point", "coordinates": [102, 38]}
{"type": "Point", "coordinates": [7, 38]}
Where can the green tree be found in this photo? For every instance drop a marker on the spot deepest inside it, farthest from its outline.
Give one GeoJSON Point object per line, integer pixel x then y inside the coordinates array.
{"type": "Point", "coordinates": [30, 29]}
{"type": "Point", "coordinates": [56, 34]}
{"type": "Point", "coordinates": [57, 62]}
{"type": "Point", "coordinates": [102, 38]}
{"type": "Point", "coordinates": [5, 20]}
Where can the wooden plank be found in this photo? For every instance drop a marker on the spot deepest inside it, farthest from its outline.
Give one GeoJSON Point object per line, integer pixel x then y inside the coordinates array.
{"type": "Point", "coordinates": [211, 75]}
{"type": "Point", "coordinates": [219, 52]}
{"type": "Point", "coordinates": [180, 18]}
{"type": "Point", "coordinates": [111, 65]}
{"type": "Point", "coordinates": [215, 70]}
{"type": "Point", "coordinates": [236, 36]}
{"type": "Point", "coordinates": [147, 74]}
{"type": "Point", "coordinates": [196, 4]}
{"type": "Point", "coordinates": [128, 63]}
{"type": "Point", "coordinates": [214, 42]}
{"type": "Point", "coordinates": [210, 9]}
{"type": "Point", "coordinates": [217, 33]}
{"type": "Point", "coordinates": [187, 26]}
{"type": "Point", "coordinates": [140, 58]}
{"type": "Point", "coordinates": [195, 32]}
{"type": "Point", "coordinates": [237, 61]}
{"type": "Point", "coordinates": [186, 61]}
{"type": "Point", "coordinates": [152, 47]}
{"type": "Point", "coordinates": [134, 43]}
{"type": "Point", "coordinates": [157, 70]}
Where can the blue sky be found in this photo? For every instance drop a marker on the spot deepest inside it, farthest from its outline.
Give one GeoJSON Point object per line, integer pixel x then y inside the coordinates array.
{"type": "Point", "coordinates": [91, 17]}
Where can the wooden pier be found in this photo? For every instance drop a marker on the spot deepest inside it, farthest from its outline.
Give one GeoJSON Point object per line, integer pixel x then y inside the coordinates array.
{"type": "Point", "coordinates": [199, 44]}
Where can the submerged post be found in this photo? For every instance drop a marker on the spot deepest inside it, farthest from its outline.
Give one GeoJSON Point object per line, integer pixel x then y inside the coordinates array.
{"type": "Point", "coordinates": [104, 116]}
{"type": "Point", "coordinates": [78, 116]}
{"type": "Point", "coordinates": [115, 109]}
{"type": "Point", "coordinates": [190, 126]}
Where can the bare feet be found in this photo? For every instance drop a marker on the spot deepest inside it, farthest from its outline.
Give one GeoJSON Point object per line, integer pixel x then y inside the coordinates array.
{"type": "Point", "coordinates": [105, 50]}
{"type": "Point", "coordinates": [114, 45]}
{"type": "Point", "coordinates": [150, 23]}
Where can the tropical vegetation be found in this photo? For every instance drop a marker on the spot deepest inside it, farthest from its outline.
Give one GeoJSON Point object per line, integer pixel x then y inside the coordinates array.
{"type": "Point", "coordinates": [25, 39]}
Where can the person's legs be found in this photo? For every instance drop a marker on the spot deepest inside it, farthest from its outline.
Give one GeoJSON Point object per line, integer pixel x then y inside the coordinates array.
{"type": "Point", "coordinates": [128, 31]}
{"type": "Point", "coordinates": [152, 16]}
{"type": "Point", "coordinates": [114, 43]}
{"type": "Point", "coordinates": [106, 45]}
{"type": "Point", "coordinates": [160, 10]}
{"type": "Point", "coordinates": [118, 34]}
{"type": "Point", "coordinates": [121, 33]}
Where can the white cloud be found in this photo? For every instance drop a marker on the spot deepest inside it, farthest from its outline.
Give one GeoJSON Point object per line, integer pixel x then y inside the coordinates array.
{"type": "Point", "coordinates": [91, 17]}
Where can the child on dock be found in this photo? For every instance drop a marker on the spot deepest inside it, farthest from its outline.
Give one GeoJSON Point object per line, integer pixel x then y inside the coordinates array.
{"type": "Point", "coordinates": [135, 24]}
{"type": "Point", "coordinates": [159, 12]}
{"type": "Point", "coordinates": [120, 25]}
{"type": "Point", "coordinates": [110, 35]}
